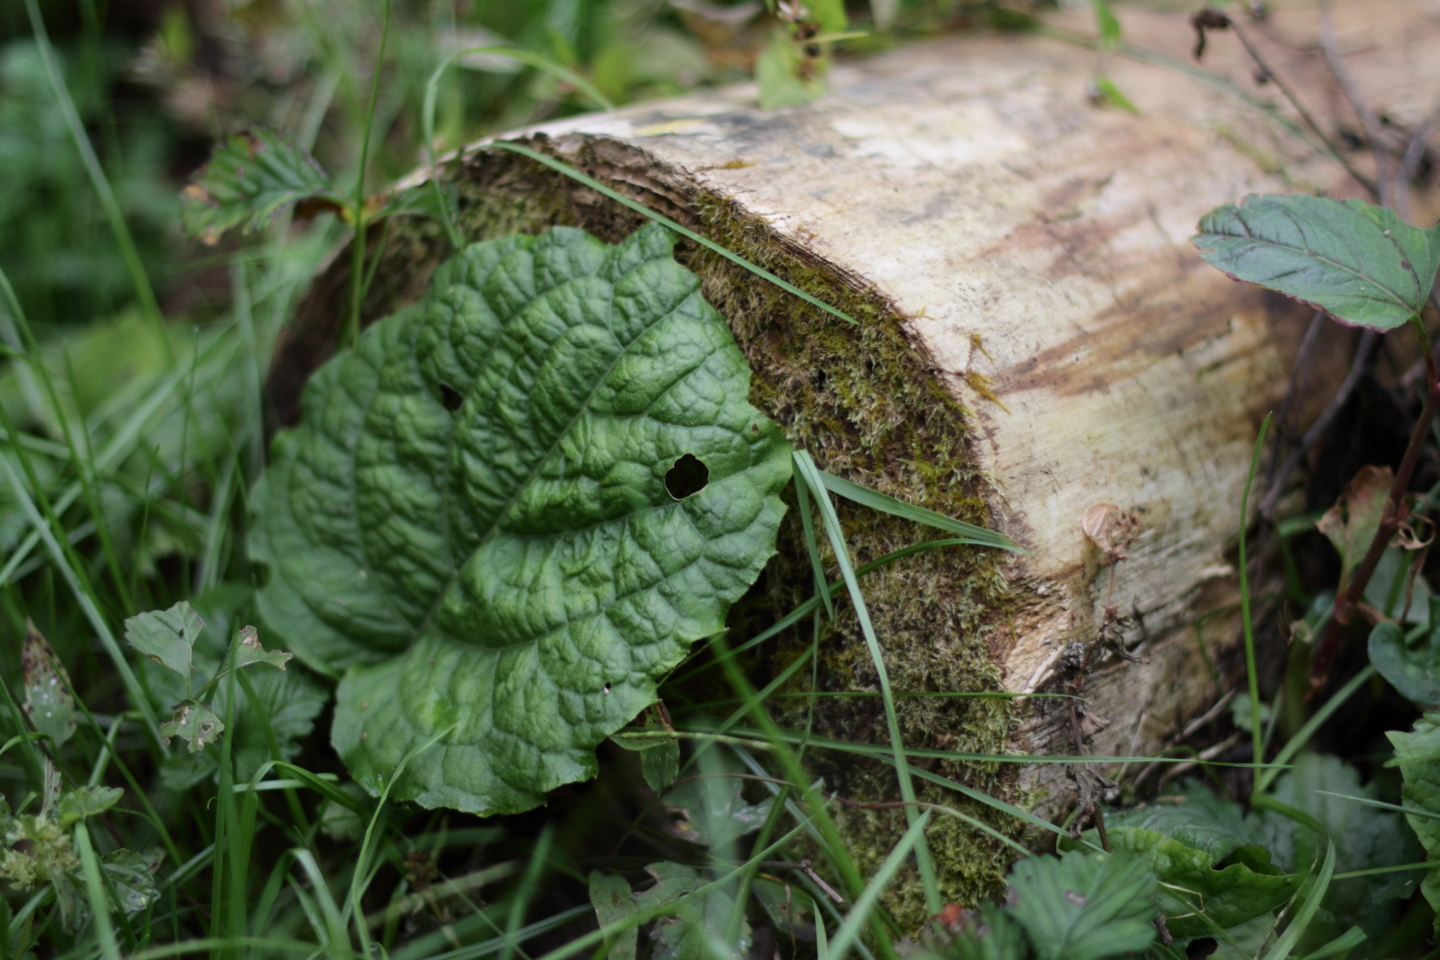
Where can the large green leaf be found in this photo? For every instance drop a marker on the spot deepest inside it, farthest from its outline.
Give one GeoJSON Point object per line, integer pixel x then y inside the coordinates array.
{"type": "Point", "coordinates": [512, 508]}
{"type": "Point", "coordinates": [1360, 263]}
{"type": "Point", "coordinates": [1204, 866]}
{"type": "Point", "coordinates": [1084, 906]}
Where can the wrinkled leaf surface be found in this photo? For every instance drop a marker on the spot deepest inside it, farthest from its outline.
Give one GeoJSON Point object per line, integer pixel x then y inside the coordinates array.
{"type": "Point", "coordinates": [1204, 866]}
{"type": "Point", "coordinates": [473, 524]}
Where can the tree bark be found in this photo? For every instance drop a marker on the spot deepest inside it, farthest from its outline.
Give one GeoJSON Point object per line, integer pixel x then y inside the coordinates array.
{"type": "Point", "coordinates": [1037, 337]}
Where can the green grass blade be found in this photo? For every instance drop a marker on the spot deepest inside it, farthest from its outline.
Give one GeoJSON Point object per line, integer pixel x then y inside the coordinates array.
{"type": "Point", "coordinates": [1382, 805]}
{"type": "Point", "coordinates": [337, 942]}
{"type": "Point", "coordinates": [1286, 943]}
{"type": "Point", "coordinates": [1251, 673]}
{"type": "Point", "coordinates": [968, 533]}
{"type": "Point", "coordinates": [357, 211]}
{"type": "Point", "coordinates": [807, 525]}
{"type": "Point", "coordinates": [143, 290]}
{"type": "Point", "coordinates": [827, 836]}
{"type": "Point", "coordinates": [660, 218]}
{"type": "Point", "coordinates": [1346, 941]}
{"type": "Point", "coordinates": [980, 796]}
{"type": "Point", "coordinates": [807, 472]}
{"type": "Point", "coordinates": [432, 88]}
{"type": "Point", "coordinates": [859, 913]}
{"type": "Point", "coordinates": [95, 888]}
{"type": "Point", "coordinates": [83, 597]}
{"type": "Point", "coordinates": [526, 890]}
{"type": "Point", "coordinates": [1303, 735]}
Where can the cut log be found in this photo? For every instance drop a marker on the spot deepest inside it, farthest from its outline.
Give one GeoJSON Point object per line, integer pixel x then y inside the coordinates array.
{"type": "Point", "coordinates": [1036, 337]}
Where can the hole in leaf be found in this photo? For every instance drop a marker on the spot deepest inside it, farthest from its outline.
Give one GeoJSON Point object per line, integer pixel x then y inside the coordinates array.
{"type": "Point", "coordinates": [450, 397]}
{"type": "Point", "coordinates": [688, 477]}
{"type": "Point", "coordinates": [1200, 948]}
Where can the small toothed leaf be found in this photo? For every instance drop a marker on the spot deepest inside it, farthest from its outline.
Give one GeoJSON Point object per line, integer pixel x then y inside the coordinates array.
{"type": "Point", "coordinates": [85, 802]}
{"type": "Point", "coordinates": [1084, 906]}
{"type": "Point", "coordinates": [248, 651]}
{"type": "Point", "coordinates": [132, 880]}
{"type": "Point", "coordinates": [248, 179]}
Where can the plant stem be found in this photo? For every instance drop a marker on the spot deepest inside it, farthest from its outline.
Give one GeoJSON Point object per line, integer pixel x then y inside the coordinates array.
{"type": "Point", "coordinates": [1279, 82]}
{"type": "Point", "coordinates": [357, 246]}
{"type": "Point", "coordinates": [1329, 646]}
{"type": "Point", "coordinates": [1251, 673]}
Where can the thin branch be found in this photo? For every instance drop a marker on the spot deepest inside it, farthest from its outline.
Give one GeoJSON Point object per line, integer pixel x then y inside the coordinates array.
{"type": "Point", "coordinates": [1329, 46]}
{"type": "Point", "coordinates": [1329, 645]}
{"type": "Point", "coordinates": [1363, 354]}
{"type": "Point", "coordinates": [1279, 82]}
{"type": "Point", "coordinates": [1410, 163]}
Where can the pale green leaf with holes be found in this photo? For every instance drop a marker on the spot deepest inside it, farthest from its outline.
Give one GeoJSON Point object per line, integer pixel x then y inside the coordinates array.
{"type": "Point", "coordinates": [472, 526]}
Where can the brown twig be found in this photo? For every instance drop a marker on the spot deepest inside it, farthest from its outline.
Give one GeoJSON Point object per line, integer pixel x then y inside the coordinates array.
{"type": "Point", "coordinates": [1415, 151]}
{"type": "Point", "coordinates": [1310, 122]}
{"type": "Point", "coordinates": [1384, 186]}
{"type": "Point", "coordinates": [1328, 646]}
{"type": "Point", "coordinates": [1363, 354]}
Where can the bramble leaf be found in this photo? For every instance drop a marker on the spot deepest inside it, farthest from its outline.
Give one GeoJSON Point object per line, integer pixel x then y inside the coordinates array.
{"type": "Point", "coordinates": [132, 879]}
{"type": "Point", "coordinates": [85, 802]}
{"type": "Point", "coordinates": [1084, 906]}
{"type": "Point", "coordinates": [1359, 263]}
{"type": "Point", "coordinates": [473, 525]}
{"type": "Point", "coordinates": [248, 650]}
{"type": "Point", "coordinates": [1350, 523]}
{"type": "Point", "coordinates": [714, 812]}
{"type": "Point", "coordinates": [48, 702]}
{"type": "Point", "coordinates": [249, 177]}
